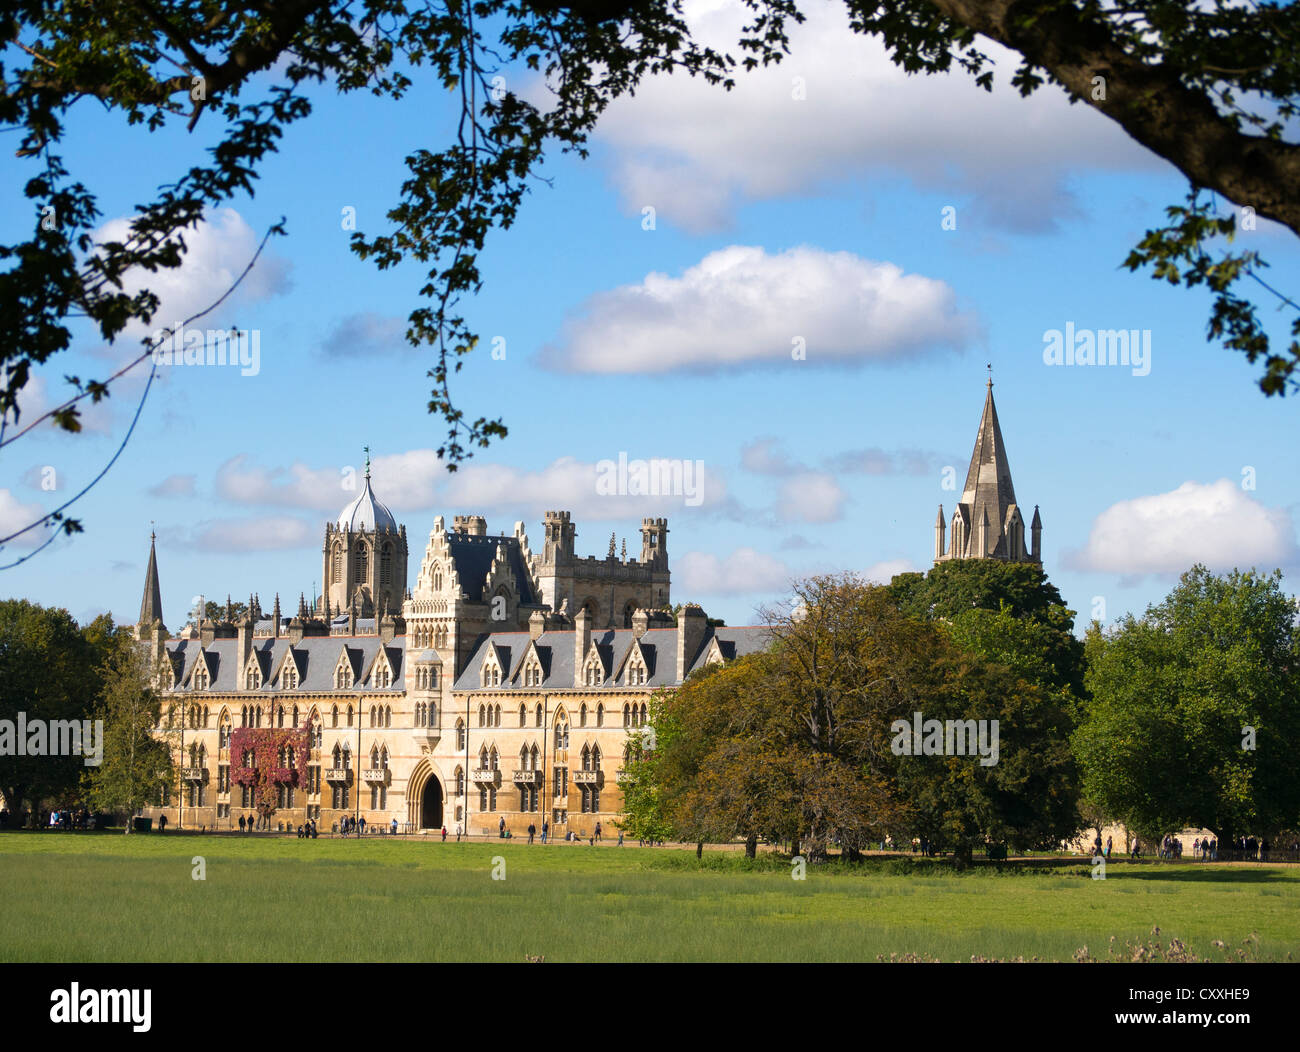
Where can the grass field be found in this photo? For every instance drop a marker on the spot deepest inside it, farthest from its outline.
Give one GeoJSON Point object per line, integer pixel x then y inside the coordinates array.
{"type": "Point", "coordinates": [107, 897]}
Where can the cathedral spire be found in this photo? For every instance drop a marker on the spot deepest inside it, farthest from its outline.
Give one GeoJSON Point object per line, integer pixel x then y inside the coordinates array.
{"type": "Point", "coordinates": [988, 480]}
{"type": "Point", "coordinates": [987, 523]}
{"type": "Point", "coordinates": [151, 604]}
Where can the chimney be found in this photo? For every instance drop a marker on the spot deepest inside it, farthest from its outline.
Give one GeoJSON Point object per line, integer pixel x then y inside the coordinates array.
{"type": "Point", "coordinates": [244, 633]}
{"type": "Point", "coordinates": [581, 643]}
{"type": "Point", "coordinates": [207, 632]}
{"type": "Point", "coordinates": [692, 627]}
{"type": "Point", "coordinates": [536, 624]}
{"type": "Point", "coordinates": [387, 628]}
{"type": "Point", "coordinates": [640, 622]}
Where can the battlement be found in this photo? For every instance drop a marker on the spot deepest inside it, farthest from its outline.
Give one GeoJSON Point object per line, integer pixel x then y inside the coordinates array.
{"type": "Point", "coordinates": [649, 523]}
{"type": "Point", "coordinates": [470, 525]}
{"type": "Point", "coordinates": [557, 516]}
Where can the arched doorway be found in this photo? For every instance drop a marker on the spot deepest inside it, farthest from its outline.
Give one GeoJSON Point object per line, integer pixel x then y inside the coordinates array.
{"type": "Point", "coordinates": [431, 805]}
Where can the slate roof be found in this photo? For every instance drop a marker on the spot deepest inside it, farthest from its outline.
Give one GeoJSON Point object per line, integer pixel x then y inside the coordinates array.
{"type": "Point", "coordinates": [555, 649]}
{"type": "Point", "coordinates": [315, 656]}
{"type": "Point", "coordinates": [473, 559]}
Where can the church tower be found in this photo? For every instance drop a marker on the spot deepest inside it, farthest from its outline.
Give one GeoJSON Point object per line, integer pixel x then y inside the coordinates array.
{"type": "Point", "coordinates": [987, 523]}
{"type": "Point", "coordinates": [364, 557]}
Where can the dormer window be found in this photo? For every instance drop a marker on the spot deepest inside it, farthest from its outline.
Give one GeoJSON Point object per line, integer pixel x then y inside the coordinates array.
{"type": "Point", "coordinates": [200, 680]}
{"type": "Point", "coordinates": [289, 677]}
{"type": "Point", "coordinates": [343, 675]}
{"type": "Point", "coordinates": [253, 676]}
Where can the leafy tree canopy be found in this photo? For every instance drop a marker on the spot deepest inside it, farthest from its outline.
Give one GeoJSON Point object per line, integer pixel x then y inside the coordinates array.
{"type": "Point", "coordinates": [1210, 87]}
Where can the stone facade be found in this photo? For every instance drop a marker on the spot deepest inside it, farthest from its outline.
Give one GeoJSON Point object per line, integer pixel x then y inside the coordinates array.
{"type": "Point", "coordinates": [506, 686]}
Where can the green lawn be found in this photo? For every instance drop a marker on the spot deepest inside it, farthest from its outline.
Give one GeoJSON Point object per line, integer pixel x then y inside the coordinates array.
{"type": "Point", "coordinates": [107, 897]}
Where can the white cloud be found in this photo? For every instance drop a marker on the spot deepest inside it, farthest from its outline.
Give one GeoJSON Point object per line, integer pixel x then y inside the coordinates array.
{"type": "Point", "coordinates": [881, 462]}
{"type": "Point", "coordinates": [36, 399]}
{"type": "Point", "coordinates": [885, 571]}
{"type": "Point", "coordinates": [174, 486]}
{"type": "Point", "coordinates": [694, 152]}
{"type": "Point", "coordinates": [267, 534]}
{"type": "Point", "coordinates": [297, 486]}
{"type": "Point", "coordinates": [417, 481]}
{"type": "Point", "coordinates": [744, 572]}
{"type": "Point", "coordinates": [1214, 523]}
{"type": "Point", "coordinates": [813, 496]}
{"type": "Point", "coordinates": [15, 515]}
{"type": "Point", "coordinates": [217, 251]}
{"type": "Point", "coordinates": [762, 457]}
{"type": "Point", "coordinates": [366, 335]}
{"type": "Point", "coordinates": [740, 307]}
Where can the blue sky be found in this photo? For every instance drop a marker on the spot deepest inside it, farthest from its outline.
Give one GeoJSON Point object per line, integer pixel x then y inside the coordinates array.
{"type": "Point", "coordinates": [776, 218]}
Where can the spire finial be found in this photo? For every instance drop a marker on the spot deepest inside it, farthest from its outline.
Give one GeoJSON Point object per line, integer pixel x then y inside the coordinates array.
{"type": "Point", "coordinates": [990, 369]}
{"type": "Point", "coordinates": [367, 449]}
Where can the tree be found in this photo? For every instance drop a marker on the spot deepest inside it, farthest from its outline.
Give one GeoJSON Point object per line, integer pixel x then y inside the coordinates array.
{"type": "Point", "coordinates": [47, 673]}
{"type": "Point", "coordinates": [1194, 716]}
{"type": "Point", "coordinates": [214, 611]}
{"type": "Point", "coordinates": [798, 742]}
{"type": "Point", "coordinates": [1211, 87]}
{"type": "Point", "coordinates": [137, 764]}
{"type": "Point", "coordinates": [645, 808]}
{"type": "Point", "coordinates": [1009, 612]}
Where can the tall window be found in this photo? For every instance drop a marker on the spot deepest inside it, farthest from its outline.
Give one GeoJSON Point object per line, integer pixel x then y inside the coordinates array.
{"type": "Point", "coordinates": [359, 562]}
{"type": "Point", "coordinates": [460, 735]}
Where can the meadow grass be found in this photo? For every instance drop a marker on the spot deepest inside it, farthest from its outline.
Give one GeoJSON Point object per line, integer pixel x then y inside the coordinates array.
{"type": "Point", "coordinates": [108, 897]}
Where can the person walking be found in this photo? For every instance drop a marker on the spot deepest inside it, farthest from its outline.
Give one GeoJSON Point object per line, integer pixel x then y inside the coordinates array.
{"type": "Point", "coordinates": [162, 823]}
{"type": "Point", "coordinates": [394, 827]}
{"type": "Point", "coordinates": [458, 832]}
{"type": "Point", "coordinates": [620, 838]}
{"type": "Point", "coordinates": [361, 826]}
{"type": "Point", "coordinates": [532, 830]}
{"type": "Point", "coordinates": [444, 834]}
{"type": "Point", "coordinates": [597, 840]}
{"type": "Point", "coordinates": [501, 828]}
{"type": "Point", "coordinates": [241, 823]}
{"type": "Point", "coordinates": [1108, 845]}
{"type": "Point", "coordinates": [546, 828]}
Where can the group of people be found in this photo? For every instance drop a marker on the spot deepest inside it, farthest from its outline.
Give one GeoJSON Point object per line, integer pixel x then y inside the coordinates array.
{"type": "Point", "coordinates": [1206, 850]}
{"type": "Point", "coordinates": [68, 818]}
{"type": "Point", "coordinates": [307, 831]}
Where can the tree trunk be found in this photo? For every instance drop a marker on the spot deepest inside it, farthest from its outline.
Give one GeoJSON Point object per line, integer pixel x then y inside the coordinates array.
{"type": "Point", "coordinates": [961, 856]}
{"type": "Point", "coordinates": [794, 846]}
{"type": "Point", "coordinates": [751, 846]}
{"type": "Point", "coordinates": [699, 849]}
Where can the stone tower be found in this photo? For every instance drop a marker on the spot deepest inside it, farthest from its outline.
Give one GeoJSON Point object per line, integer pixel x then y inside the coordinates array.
{"type": "Point", "coordinates": [987, 524]}
{"type": "Point", "coordinates": [364, 557]}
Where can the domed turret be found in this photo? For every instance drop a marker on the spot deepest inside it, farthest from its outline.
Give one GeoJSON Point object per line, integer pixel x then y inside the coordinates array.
{"type": "Point", "coordinates": [367, 512]}
{"type": "Point", "coordinates": [364, 555]}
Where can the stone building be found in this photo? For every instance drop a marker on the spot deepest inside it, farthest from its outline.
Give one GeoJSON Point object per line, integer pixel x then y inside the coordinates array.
{"type": "Point", "coordinates": [987, 523]}
{"type": "Point", "coordinates": [506, 685]}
